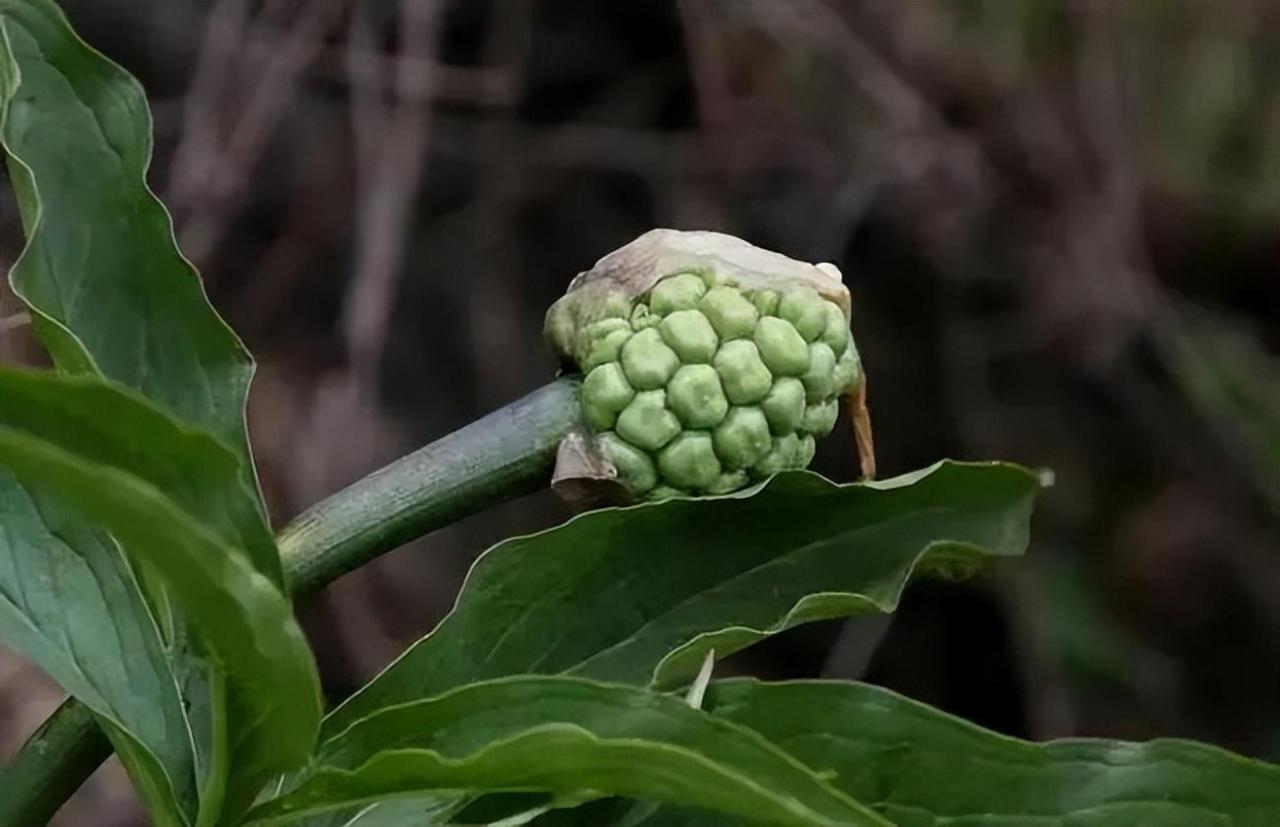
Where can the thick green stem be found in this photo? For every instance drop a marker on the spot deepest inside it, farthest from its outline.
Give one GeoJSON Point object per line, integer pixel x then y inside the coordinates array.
{"type": "Point", "coordinates": [508, 453]}
{"type": "Point", "coordinates": [53, 764]}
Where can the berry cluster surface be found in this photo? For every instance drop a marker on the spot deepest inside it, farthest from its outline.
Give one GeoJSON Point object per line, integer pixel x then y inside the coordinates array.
{"type": "Point", "coordinates": [700, 387]}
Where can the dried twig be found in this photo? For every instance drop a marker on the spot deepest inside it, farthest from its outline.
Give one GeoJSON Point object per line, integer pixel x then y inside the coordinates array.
{"type": "Point", "coordinates": [215, 158]}
{"type": "Point", "coordinates": [391, 144]}
{"type": "Point", "coordinates": [197, 151]}
{"type": "Point", "coordinates": [14, 322]}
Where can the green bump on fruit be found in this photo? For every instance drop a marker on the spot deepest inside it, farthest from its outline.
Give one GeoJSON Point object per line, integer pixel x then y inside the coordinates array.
{"type": "Point", "coordinates": [729, 482]}
{"type": "Point", "coordinates": [711, 278]}
{"type": "Point", "coordinates": [742, 372]}
{"type": "Point", "coordinates": [848, 369]}
{"type": "Point", "coordinates": [743, 438]}
{"type": "Point", "coordinates": [600, 419]}
{"type": "Point", "coordinates": [781, 456]}
{"type": "Point", "coordinates": [782, 349]}
{"type": "Point", "coordinates": [836, 332]}
{"type": "Point", "coordinates": [819, 379]}
{"type": "Point", "coordinates": [646, 423]}
{"type": "Point", "coordinates": [606, 350]}
{"type": "Point", "coordinates": [600, 329]}
{"type": "Point", "coordinates": [690, 335]}
{"type": "Point", "coordinates": [784, 406]}
{"type": "Point", "coordinates": [690, 462]}
{"type": "Point", "coordinates": [729, 312]}
{"type": "Point", "coordinates": [642, 318]}
{"type": "Point", "coordinates": [695, 395]}
{"type": "Point", "coordinates": [806, 311]}
{"type": "Point", "coordinates": [616, 305]}
{"type": "Point", "coordinates": [766, 302]}
{"type": "Point", "coordinates": [606, 389]}
{"type": "Point", "coordinates": [635, 469]}
{"type": "Point", "coordinates": [665, 492]}
{"type": "Point", "coordinates": [676, 293]}
{"type": "Point", "coordinates": [647, 361]}
{"type": "Point", "coordinates": [807, 447]}
{"type": "Point", "coordinates": [821, 417]}
{"type": "Point", "coordinates": [593, 333]}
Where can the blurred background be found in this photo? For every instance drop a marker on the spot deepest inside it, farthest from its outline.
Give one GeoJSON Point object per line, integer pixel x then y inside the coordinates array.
{"type": "Point", "coordinates": [1060, 222]}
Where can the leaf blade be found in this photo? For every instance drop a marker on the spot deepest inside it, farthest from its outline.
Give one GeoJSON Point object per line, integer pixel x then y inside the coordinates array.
{"type": "Point", "coordinates": [565, 737]}
{"type": "Point", "coordinates": [640, 595]}
{"type": "Point", "coordinates": [921, 767]}
{"type": "Point", "coordinates": [112, 425]}
{"type": "Point", "coordinates": [110, 295]}
{"type": "Point", "coordinates": [108, 290]}
{"type": "Point", "coordinates": [69, 602]}
{"type": "Point", "coordinates": [245, 623]}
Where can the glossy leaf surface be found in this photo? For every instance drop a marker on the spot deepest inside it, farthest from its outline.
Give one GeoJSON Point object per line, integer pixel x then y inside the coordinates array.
{"type": "Point", "coordinates": [108, 290]}
{"type": "Point", "coordinates": [920, 767]}
{"type": "Point", "coordinates": [640, 595]}
{"type": "Point", "coordinates": [244, 624]}
{"type": "Point", "coordinates": [565, 737]}
{"type": "Point", "coordinates": [111, 296]}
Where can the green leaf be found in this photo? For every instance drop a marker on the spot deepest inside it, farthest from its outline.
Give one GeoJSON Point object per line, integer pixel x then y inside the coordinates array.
{"type": "Point", "coordinates": [243, 623]}
{"type": "Point", "coordinates": [565, 737]}
{"type": "Point", "coordinates": [920, 767]}
{"type": "Point", "coordinates": [426, 812]}
{"type": "Point", "coordinates": [69, 602]}
{"type": "Point", "coordinates": [113, 426]}
{"type": "Point", "coordinates": [641, 594]}
{"type": "Point", "coordinates": [110, 294]}
{"type": "Point", "coordinates": [108, 290]}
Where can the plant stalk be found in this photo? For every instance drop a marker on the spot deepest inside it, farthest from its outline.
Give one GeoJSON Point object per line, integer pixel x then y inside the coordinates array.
{"type": "Point", "coordinates": [509, 453]}
{"type": "Point", "coordinates": [52, 765]}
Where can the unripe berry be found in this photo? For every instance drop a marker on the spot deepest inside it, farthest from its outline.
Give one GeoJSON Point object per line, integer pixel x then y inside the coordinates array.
{"type": "Point", "coordinates": [781, 456]}
{"type": "Point", "coordinates": [646, 422]}
{"type": "Point", "coordinates": [819, 379]}
{"type": "Point", "coordinates": [836, 331]}
{"type": "Point", "coordinates": [690, 335]}
{"type": "Point", "coordinates": [766, 301]}
{"type": "Point", "coordinates": [743, 438]}
{"type": "Point", "coordinates": [695, 395]}
{"type": "Point", "coordinates": [743, 373]}
{"type": "Point", "coordinates": [607, 388]}
{"type": "Point", "coordinates": [820, 418]}
{"type": "Point", "coordinates": [666, 492]}
{"type": "Point", "coordinates": [708, 363]}
{"type": "Point", "coordinates": [730, 313]}
{"type": "Point", "coordinates": [677, 293]}
{"type": "Point", "coordinates": [729, 482]}
{"type": "Point", "coordinates": [782, 349]}
{"type": "Point", "coordinates": [601, 342]}
{"type": "Point", "coordinates": [648, 362]}
{"type": "Point", "coordinates": [784, 406]}
{"type": "Point", "coordinates": [806, 311]}
{"type": "Point", "coordinates": [690, 461]}
{"type": "Point", "coordinates": [848, 370]}
{"type": "Point", "coordinates": [635, 469]}
{"type": "Point", "coordinates": [805, 450]}
{"type": "Point", "coordinates": [642, 318]}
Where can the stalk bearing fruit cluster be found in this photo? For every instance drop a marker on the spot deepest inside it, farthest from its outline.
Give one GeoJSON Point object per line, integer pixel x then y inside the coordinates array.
{"type": "Point", "coordinates": [708, 363]}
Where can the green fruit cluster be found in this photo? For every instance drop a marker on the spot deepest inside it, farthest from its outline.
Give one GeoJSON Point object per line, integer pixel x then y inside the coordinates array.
{"type": "Point", "coordinates": [700, 387]}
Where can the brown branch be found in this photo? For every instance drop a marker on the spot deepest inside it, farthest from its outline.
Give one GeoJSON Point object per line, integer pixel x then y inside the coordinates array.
{"type": "Point", "coordinates": [217, 155]}
{"type": "Point", "coordinates": [391, 146]}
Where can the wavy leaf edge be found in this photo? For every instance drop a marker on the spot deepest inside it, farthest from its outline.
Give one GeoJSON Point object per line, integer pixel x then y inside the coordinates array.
{"type": "Point", "coordinates": [693, 649]}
